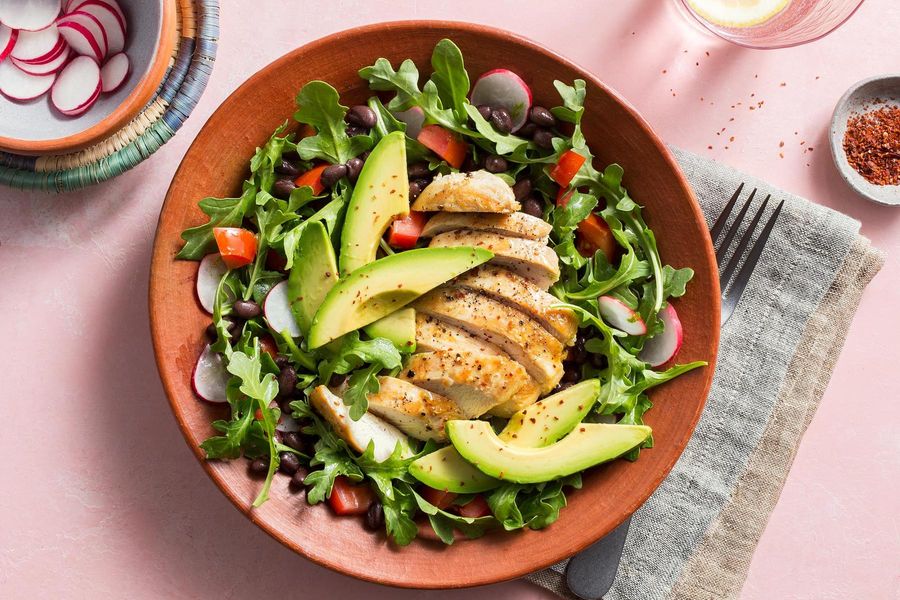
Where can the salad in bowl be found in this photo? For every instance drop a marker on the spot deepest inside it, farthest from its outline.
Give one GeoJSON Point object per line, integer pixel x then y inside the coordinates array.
{"type": "Point", "coordinates": [432, 310]}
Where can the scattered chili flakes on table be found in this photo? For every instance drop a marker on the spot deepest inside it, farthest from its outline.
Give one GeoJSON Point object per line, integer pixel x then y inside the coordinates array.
{"type": "Point", "coordinates": [872, 145]}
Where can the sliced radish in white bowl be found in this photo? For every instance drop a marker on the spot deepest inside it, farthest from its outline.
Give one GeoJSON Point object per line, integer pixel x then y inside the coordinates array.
{"type": "Point", "coordinates": [38, 46]}
{"type": "Point", "coordinates": [8, 37]}
{"type": "Point", "coordinates": [113, 27]}
{"type": "Point", "coordinates": [46, 68]}
{"type": "Point", "coordinates": [77, 86]}
{"type": "Point", "coordinates": [29, 15]}
{"type": "Point", "coordinates": [277, 308]}
{"type": "Point", "coordinates": [414, 119]}
{"type": "Point", "coordinates": [210, 377]}
{"type": "Point", "coordinates": [18, 85]}
{"type": "Point", "coordinates": [503, 88]}
{"type": "Point", "coordinates": [209, 273]}
{"type": "Point", "coordinates": [621, 316]}
{"type": "Point", "coordinates": [112, 5]}
{"type": "Point", "coordinates": [114, 72]}
{"type": "Point", "coordinates": [84, 35]}
{"type": "Point", "coordinates": [661, 348]}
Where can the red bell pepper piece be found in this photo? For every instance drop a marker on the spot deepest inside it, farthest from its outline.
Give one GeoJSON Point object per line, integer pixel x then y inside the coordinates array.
{"type": "Point", "coordinates": [564, 170]}
{"type": "Point", "coordinates": [348, 498]}
{"type": "Point", "coordinates": [312, 178]}
{"type": "Point", "coordinates": [405, 232]}
{"type": "Point", "coordinates": [236, 245]}
{"type": "Point", "coordinates": [474, 508]}
{"type": "Point", "coordinates": [444, 143]}
{"type": "Point", "coordinates": [592, 234]}
{"type": "Point", "coordinates": [440, 498]}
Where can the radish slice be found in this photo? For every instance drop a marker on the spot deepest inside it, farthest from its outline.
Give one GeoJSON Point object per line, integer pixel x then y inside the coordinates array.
{"type": "Point", "coordinates": [114, 72]}
{"type": "Point", "coordinates": [661, 348]}
{"type": "Point", "coordinates": [209, 273]}
{"type": "Point", "coordinates": [8, 39]}
{"type": "Point", "coordinates": [210, 377]}
{"type": "Point", "coordinates": [503, 88]}
{"type": "Point", "coordinates": [37, 45]}
{"type": "Point", "coordinates": [29, 15]}
{"type": "Point", "coordinates": [16, 84]}
{"type": "Point", "coordinates": [93, 23]}
{"type": "Point", "coordinates": [77, 86]}
{"type": "Point", "coordinates": [61, 48]}
{"type": "Point", "coordinates": [44, 68]}
{"type": "Point", "coordinates": [620, 316]}
{"type": "Point", "coordinates": [74, 5]}
{"type": "Point", "coordinates": [287, 423]}
{"type": "Point", "coordinates": [83, 34]}
{"type": "Point", "coordinates": [109, 21]}
{"type": "Point", "coordinates": [277, 309]}
{"type": "Point", "coordinates": [414, 119]}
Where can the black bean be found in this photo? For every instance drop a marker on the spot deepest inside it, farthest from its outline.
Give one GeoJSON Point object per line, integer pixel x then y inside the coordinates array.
{"type": "Point", "coordinates": [287, 167]}
{"type": "Point", "coordinates": [495, 164]}
{"type": "Point", "coordinates": [532, 206]}
{"type": "Point", "coordinates": [501, 120]}
{"type": "Point", "coordinates": [541, 116]}
{"type": "Point", "coordinates": [414, 190]}
{"type": "Point", "coordinates": [246, 309]}
{"type": "Point", "coordinates": [285, 405]}
{"type": "Point", "coordinates": [522, 188]}
{"type": "Point", "coordinates": [486, 111]}
{"type": "Point", "coordinates": [571, 374]}
{"type": "Point", "coordinates": [291, 155]}
{"type": "Point", "coordinates": [337, 380]}
{"type": "Point", "coordinates": [259, 467]}
{"type": "Point", "coordinates": [331, 175]}
{"type": "Point", "coordinates": [293, 439]}
{"type": "Point", "coordinates": [577, 355]}
{"type": "Point", "coordinates": [211, 332]}
{"type": "Point", "coordinates": [288, 463]}
{"type": "Point", "coordinates": [598, 360]}
{"type": "Point", "coordinates": [527, 130]}
{"type": "Point", "coordinates": [354, 166]}
{"type": "Point", "coordinates": [298, 479]}
{"type": "Point", "coordinates": [282, 361]}
{"type": "Point", "coordinates": [287, 381]}
{"type": "Point", "coordinates": [231, 327]}
{"type": "Point", "coordinates": [361, 116]}
{"type": "Point", "coordinates": [469, 165]}
{"type": "Point", "coordinates": [353, 131]}
{"type": "Point", "coordinates": [418, 170]}
{"type": "Point", "coordinates": [282, 188]}
{"type": "Point", "coordinates": [543, 138]}
{"type": "Point", "coordinates": [375, 517]}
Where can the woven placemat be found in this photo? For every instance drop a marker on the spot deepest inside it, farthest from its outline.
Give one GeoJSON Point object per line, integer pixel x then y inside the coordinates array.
{"type": "Point", "coordinates": [178, 94]}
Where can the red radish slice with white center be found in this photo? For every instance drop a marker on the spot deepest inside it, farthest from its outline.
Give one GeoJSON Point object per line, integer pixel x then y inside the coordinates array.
{"type": "Point", "coordinates": [8, 39]}
{"type": "Point", "coordinates": [16, 84]}
{"type": "Point", "coordinates": [44, 68]}
{"type": "Point", "coordinates": [414, 119]}
{"type": "Point", "coordinates": [660, 349]}
{"type": "Point", "coordinates": [501, 88]}
{"type": "Point", "coordinates": [77, 86]}
{"type": "Point", "coordinates": [277, 308]}
{"type": "Point", "coordinates": [210, 377]}
{"type": "Point", "coordinates": [37, 45]}
{"type": "Point", "coordinates": [287, 423]}
{"type": "Point", "coordinates": [110, 4]}
{"type": "Point", "coordinates": [209, 273]}
{"type": "Point", "coordinates": [61, 48]}
{"type": "Point", "coordinates": [619, 315]}
{"type": "Point", "coordinates": [114, 72]}
{"type": "Point", "coordinates": [83, 34]}
{"type": "Point", "coordinates": [109, 21]}
{"type": "Point", "coordinates": [29, 15]}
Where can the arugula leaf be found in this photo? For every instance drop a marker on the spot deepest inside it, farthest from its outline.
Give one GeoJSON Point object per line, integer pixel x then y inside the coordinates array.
{"type": "Point", "coordinates": [222, 212]}
{"type": "Point", "coordinates": [450, 77]}
{"type": "Point", "coordinates": [566, 218]}
{"type": "Point", "coordinates": [318, 104]}
{"type": "Point", "coordinates": [359, 386]}
{"type": "Point", "coordinates": [386, 122]}
{"type": "Point", "coordinates": [675, 281]}
{"type": "Point", "coordinates": [444, 522]}
{"type": "Point", "coordinates": [377, 353]}
{"type": "Point", "coordinates": [504, 143]}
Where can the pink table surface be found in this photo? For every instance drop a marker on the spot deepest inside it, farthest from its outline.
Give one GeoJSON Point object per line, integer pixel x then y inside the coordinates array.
{"type": "Point", "coordinates": [100, 496]}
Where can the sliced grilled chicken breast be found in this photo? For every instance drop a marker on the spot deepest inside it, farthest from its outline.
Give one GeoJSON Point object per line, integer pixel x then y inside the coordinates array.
{"type": "Point", "coordinates": [358, 434]}
{"type": "Point", "coordinates": [478, 191]}
{"type": "Point", "coordinates": [475, 382]}
{"type": "Point", "coordinates": [432, 335]}
{"type": "Point", "coordinates": [415, 411]}
{"type": "Point", "coordinates": [526, 396]}
{"type": "Point", "coordinates": [517, 224]}
{"type": "Point", "coordinates": [513, 289]}
{"type": "Point", "coordinates": [512, 331]}
{"type": "Point", "coordinates": [529, 258]}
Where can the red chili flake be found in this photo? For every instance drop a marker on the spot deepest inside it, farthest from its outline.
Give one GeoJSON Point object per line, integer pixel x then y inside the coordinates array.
{"type": "Point", "coordinates": [781, 155]}
{"type": "Point", "coordinates": [709, 147]}
{"type": "Point", "coordinates": [782, 84]}
{"type": "Point", "coordinates": [872, 145]}
{"type": "Point", "coordinates": [781, 144]}
{"type": "Point", "coordinates": [726, 147]}
{"type": "Point", "coordinates": [803, 143]}
{"type": "Point", "coordinates": [707, 53]}
{"type": "Point", "coordinates": [731, 119]}
{"type": "Point", "coordinates": [731, 139]}
{"type": "Point", "coordinates": [753, 94]}
{"type": "Point", "coordinates": [697, 63]}
{"type": "Point", "coordinates": [817, 76]}
{"type": "Point", "coordinates": [752, 108]}
{"type": "Point", "coordinates": [665, 71]}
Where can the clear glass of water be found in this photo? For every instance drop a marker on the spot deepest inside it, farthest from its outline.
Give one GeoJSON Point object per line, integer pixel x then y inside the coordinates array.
{"type": "Point", "coordinates": [770, 24]}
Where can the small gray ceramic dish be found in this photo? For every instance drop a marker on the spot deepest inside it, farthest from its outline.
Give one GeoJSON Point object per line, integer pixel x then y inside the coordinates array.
{"type": "Point", "coordinates": [864, 96]}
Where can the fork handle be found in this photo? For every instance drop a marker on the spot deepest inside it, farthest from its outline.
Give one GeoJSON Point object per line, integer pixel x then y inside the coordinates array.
{"type": "Point", "coordinates": [591, 572]}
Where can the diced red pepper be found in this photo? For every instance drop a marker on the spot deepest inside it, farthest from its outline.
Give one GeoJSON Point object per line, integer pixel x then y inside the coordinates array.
{"type": "Point", "coordinates": [405, 232]}
{"type": "Point", "coordinates": [267, 344]}
{"type": "Point", "coordinates": [312, 178]}
{"type": "Point", "coordinates": [564, 170]}
{"type": "Point", "coordinates": [236, 245]}
{"type": "Point", "coordinates": [592, 234]}
{"type": "Point", "coordinates": [440, 498]}
{"type": "Point", "coordinates": [474, 508]}
{"type": "Point", "coordinates": [444, 143]}
{"type": "Point", "coordinates": [257, 414]}
{"type": "Point", "coordinates": [348, 498]}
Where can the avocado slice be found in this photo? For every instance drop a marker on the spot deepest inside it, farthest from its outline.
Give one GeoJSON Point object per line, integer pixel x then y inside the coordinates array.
{"type": "Point", "coordinates": [537, 425]}
{"type": "Point", "coordinates": [380, 195]}
{"type": "Point", "coordinates": [399, 328]}
{"type": "Point", "coordinates": [314, 273]}
{"type": "Point", "coordinates": [381, 287]}
{"type": "Point", "coordinates": [587, 445]}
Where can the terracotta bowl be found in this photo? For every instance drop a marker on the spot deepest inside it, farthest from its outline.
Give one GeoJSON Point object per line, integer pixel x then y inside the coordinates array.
{"type": "Point", "coordinates": [35, 128]}
{"type": "Point", "coordinates": [216, 164]}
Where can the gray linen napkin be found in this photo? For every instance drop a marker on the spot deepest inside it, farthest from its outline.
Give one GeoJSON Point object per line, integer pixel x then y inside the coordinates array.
{"type": "Point", "coordinates": [695, 536]}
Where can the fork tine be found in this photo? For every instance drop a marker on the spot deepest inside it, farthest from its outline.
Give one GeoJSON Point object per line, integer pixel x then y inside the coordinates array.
{"type": "Point", "coordinates": [742, 245]}
{"type": "Point", "coordinates": [719, 225]}
{"type": "Point", "coordinates": [722, 250]}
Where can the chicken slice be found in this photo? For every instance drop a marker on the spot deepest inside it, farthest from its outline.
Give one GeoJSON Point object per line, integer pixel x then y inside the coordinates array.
{"type": "Point", "coordinates": [478, 191]}
{"type": "Point", "coordinates": [510, 288]}
{"type": "Point", "coordinates": [517, 224]}
{"type": "Point", "coordinates": [526, 396]}
{"type": "Point", "coordinates": [432, 335]}
{"type": "Point", "coordinates": [475, 382]}
{"type": "Point", "coordinates": [529, 258]}
{"type": "Point", "coordinates": [417, 412]}
{"type": "Point", "coordinates": [358, 434]}
{"type": "Point", "coordinates": [515, 333]}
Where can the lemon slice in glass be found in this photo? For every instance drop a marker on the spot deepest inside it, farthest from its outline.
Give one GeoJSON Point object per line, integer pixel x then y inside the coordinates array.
{"type": "Point", "coordinates": [737, 13]}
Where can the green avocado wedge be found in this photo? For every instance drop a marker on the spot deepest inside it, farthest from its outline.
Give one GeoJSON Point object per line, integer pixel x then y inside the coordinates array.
{"type": "Point", "coordinates": [398, 327]}
{"type": "Point", "coordinates": [381, 287]}
{"type": "Point", "coordinates": [588, 445]}
{"type": "Point", "coordinates": [540, 424]}
{"type": "Point", "coordinates": [381, 194]}
{"type": "Point", "coordinates": [313, 275]}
